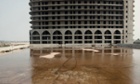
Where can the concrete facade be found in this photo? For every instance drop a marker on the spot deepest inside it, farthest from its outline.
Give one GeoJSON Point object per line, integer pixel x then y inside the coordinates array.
{"type": "Point", "coordinates": [81, 22]}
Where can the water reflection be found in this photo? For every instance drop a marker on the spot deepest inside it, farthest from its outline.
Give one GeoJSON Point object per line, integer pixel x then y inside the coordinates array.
{"type": "Point", "coordinates": [76, 66]}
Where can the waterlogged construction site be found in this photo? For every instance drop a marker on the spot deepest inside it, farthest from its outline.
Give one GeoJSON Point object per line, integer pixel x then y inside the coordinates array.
{"type": "Point", "coordinates": [71, 65]}
{"type": "Point", "coordinates": [71, 42]}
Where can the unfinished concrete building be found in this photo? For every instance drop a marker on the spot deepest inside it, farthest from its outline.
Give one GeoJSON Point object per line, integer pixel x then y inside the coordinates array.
{"type": "Point", "coordinates": [81, 22]}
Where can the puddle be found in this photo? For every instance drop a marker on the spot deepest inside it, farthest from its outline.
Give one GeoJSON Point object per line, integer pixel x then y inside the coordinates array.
{"type": "Point", "coordinates": [112, 65]}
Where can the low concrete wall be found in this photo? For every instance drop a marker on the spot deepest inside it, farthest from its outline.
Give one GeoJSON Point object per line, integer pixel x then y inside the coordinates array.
{"type": "Point", "coordinates": [136, 46]}
{"type": "Point", "coordinates": [43, 45]}
{"type": "Point", "coordinates": [66, 45]}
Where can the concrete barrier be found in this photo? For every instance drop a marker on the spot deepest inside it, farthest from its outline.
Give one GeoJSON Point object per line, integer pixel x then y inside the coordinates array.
{"type": "Point", "coordinates": [136, 46]}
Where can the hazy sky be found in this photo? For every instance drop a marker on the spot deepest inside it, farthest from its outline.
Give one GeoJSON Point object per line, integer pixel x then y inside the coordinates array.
{"type": "Point", "coordinates": [14, 20]}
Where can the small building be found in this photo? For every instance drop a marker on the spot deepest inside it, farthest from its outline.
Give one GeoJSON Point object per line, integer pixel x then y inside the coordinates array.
{"type": "Point", "coordinates": [137, 41]}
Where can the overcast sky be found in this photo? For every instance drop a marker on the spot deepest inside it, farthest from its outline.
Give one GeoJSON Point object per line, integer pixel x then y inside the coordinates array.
{"type": "Point", "coordinates": [14, 20]}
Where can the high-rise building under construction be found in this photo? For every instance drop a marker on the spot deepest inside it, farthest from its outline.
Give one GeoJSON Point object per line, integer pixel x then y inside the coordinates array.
{"type": "Point", "coordinates": [81, 22]}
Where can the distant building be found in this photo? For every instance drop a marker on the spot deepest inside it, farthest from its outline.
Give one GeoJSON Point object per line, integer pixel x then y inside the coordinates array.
{"type": "Point", "coordinates": [81, 22]}
{"type": "Point", "coordinates": [137, 41]}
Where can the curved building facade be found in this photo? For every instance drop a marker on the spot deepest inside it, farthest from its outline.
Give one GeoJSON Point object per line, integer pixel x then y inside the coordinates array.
{"type": "Point", "coordinates": [81, 22]}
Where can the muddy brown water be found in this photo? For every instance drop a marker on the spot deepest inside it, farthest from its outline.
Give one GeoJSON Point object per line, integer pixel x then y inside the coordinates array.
{"type": "Point", "coordinates": [72, 66]}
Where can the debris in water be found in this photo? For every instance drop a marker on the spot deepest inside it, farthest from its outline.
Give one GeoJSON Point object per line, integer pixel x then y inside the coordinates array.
{"type": "Point", "coordinates": [90, 50]}
{"type": "Point", "coordinates": [50, 56]}
{"type": "Point", "coordinates": [115, 54]}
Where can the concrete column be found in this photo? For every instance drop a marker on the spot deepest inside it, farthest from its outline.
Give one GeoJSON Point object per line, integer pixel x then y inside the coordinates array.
{"type": "Point", "coordinates": [73, 38]}
{"type": "Point", "coordinates": [40, 38]}
{"type": "Point", "coordinates": [83, 38]}
{"type": "Point", "coordinates": [121, 38]}
{"type": "Point", "coordinates": [51, 38]}
{"type": "Point", "coordinates": [112, 40]}
{"type": "Point", "coordinates": [103, 39]}
{"type": "Point", "coordinates": [63, 39]}
{"type": "Point", "coordinates": [93, 39]}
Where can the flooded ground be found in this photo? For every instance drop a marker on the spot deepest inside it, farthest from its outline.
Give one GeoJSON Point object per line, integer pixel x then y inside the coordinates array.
{"type": "Point", "coordinates": [71, 66]}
